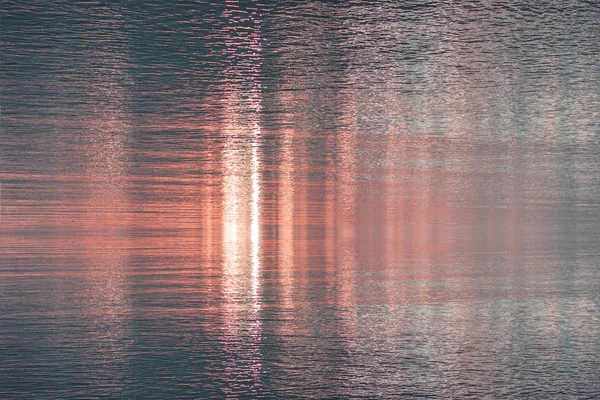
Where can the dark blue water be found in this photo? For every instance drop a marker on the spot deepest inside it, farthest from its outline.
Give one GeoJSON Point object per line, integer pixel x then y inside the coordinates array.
{"type": "Point", "coordinates": [300, 199]}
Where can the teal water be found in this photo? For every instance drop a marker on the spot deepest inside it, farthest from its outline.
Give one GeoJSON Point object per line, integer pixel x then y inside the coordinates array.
{"type": "Point", "coordinates": [300, 199]}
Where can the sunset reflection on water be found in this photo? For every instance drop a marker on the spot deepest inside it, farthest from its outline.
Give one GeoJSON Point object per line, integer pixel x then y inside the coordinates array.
{"type": "Point", "coordinates": [292, 244]}
{"type": "Point", "coordinates": [316, 199]}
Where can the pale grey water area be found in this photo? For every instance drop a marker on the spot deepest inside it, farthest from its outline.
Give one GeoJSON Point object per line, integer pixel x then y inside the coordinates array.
{"type": "Point", "coordinates": [310, 199]}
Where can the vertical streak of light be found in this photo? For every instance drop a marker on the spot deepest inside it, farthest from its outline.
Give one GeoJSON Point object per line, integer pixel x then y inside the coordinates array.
{"type": "Point", "coordinates": [242, 195]}
{"type": "Point", "coordinates": [390, 207]}
{"type": "Point", "coordinates": [230, 223]}
{"type": "Point", "coordinates": [254, 224]}
{"type": "Point", "coordinates": [256, 327]}
{"type": "Point", "coordinates": [346, 202]}
{"type": "Point", "coordinates": [104, 186]}
{"type": "Point", "coordinates": [329, 224]}
{"type": "Point", "coordinates": [286, 219]}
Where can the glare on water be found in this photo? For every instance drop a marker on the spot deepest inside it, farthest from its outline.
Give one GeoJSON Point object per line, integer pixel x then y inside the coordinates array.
{"type": "Point", "coordinates": [313, 199]}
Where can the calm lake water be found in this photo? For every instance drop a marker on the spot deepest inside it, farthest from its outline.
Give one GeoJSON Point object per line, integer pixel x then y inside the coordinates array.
{"type": "Point", "coordinates": [300, 199]}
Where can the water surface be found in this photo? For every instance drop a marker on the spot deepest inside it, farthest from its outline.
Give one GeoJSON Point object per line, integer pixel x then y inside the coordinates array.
{"type": "Point", "coordinates": [314, 199]}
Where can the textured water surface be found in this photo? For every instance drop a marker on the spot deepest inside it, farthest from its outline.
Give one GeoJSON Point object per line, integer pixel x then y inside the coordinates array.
{"type": "Point", "coordinates": [300, 199]}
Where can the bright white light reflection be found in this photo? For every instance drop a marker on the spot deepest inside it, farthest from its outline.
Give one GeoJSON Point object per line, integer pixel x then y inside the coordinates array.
{"type": "Point", "coordinates": [241, 219]}
{"type": "Point", "coordinates": [256, 327]}
{"type": "Point", "coordinates": [230, 223]}
{"type": "Point", "coordinates": [254, 224]}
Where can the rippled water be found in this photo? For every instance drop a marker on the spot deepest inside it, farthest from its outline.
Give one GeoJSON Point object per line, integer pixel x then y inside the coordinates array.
{"type": "Point", "coordinates": [315, 199]}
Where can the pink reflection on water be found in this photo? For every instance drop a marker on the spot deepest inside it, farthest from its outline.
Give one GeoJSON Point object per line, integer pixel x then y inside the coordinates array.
{"type": "Point", "coordinates": [242, 193]}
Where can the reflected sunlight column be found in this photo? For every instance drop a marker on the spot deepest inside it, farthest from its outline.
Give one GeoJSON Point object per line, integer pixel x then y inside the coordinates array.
{"type": "Point", "coordinates": [286, 219]}
{"type": "Point", "coordinates": [242, 104]}
{"type": "Point", "coordinates": [346, 197]}
{"type": "Point", "coordinates": [104, 232]}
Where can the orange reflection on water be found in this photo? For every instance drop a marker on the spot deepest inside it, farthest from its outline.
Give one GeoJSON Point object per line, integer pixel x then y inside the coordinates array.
{"type": "Point", "coordinates": [242, 192]}
{"type": "Point", "coordinates": [285, 219]}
